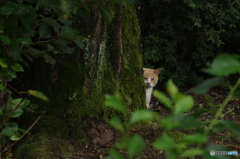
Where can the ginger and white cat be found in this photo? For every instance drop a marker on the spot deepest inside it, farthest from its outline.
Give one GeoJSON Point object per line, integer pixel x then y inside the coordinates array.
{"type": "Point", "coordinates": [150, 80]}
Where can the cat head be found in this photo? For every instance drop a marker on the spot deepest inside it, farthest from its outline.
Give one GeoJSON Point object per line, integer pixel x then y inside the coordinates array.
{"type": "Point", "coordinates": [151, 76]}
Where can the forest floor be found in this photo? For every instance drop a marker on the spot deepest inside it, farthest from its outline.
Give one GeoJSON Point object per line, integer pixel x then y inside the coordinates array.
{"type": "Point", "coordinates": [217, 95]}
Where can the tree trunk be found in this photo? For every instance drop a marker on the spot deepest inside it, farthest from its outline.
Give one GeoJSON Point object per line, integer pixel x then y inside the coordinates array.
{"type": "Point", "coordinates": [77, 83]}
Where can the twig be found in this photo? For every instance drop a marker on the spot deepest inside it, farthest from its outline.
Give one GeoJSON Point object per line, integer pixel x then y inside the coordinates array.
{"type": "Point", "coordinates": [13, 89]}
{"type": "Point", "coordinates": [34, 123]}
{"type": "Point", "coordinates": [225, 102]}
{"type": "Point", "coordinates": [8, 117]}
{"type": "Point", "coordinates": [43, 21]}
{"type": "Point", "coordinates": [42, 41]}
{"type": "Point", "coordinates": [219, 111]}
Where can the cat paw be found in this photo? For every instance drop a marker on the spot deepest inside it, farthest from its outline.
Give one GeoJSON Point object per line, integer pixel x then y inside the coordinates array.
{"type": "Point", "coordinates": [149, 107]}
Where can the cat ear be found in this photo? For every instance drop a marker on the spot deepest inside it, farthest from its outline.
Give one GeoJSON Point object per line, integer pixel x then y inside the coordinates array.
{"type": "Point", "coordinates": [144, 69]}
{"type": "Point", "coordinates": [157, 71]}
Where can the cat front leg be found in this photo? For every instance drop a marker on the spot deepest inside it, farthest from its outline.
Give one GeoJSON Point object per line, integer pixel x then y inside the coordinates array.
{"type": "Point", "coordinates": [148, 96]}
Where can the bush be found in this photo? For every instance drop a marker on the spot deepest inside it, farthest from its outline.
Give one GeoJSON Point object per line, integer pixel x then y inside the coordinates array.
{"type": "Point", "coordinates": [181, 36]}
{"type": "Point", "coordinates": [190, 145]}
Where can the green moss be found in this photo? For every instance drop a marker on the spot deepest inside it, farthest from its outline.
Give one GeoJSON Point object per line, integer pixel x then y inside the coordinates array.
{"type": "Point", "coordinates": [132, 59]}
{"type": "Point", "coordinates": [76, 90]}
{"type": "Point", "coordinates": [41, 146]}
{"type": "Point", "coordinates": [54, 126]}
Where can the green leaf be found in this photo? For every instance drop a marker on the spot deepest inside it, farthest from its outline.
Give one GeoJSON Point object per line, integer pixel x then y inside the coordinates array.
{"type": "Point", "coordinates": [106, 12]}
{"type": "Point", "coordinates": [65, 7]}
{"type": "Point", "coordinates": [136, 144]}
{"type": "Point", "coordinates": [1, 27]}
{"type": "Point", "coordinates": [37, 94]}
{"type": "Point", "coordinates": [27, 56]}
{"type": "Point", "coordinates": [172, 89]}
{"type": "Point", "coordinates": [123, 143]}
{"type": "Point", "coordinates": [27, 24]}
{"type": "Point", "coordinates": [15, 102]}
{"type": "Point", "coordinates": [44, 31]}
{"type": "Point", "coordinates": [13, 125]}
{"type": "Point", "coordinates": [15, 136]}
{"type": "Point", "coordinates": [219, 127]}
{"type": "Point", "coordinates": [115, 155]}
{"type": "Point", "coordinates": [24, 41]}
{"type": "Point", "coordinates": [11, 73]}
{"type": "Point", "coordinates": [5, 39]}
{"type": "Point", "coordinates": [233, 127]}
{"type": "Point", "coordinates": [117, 124]}
{"type": "Point", "coordinates": [189, 122]}
{"type": "Point", "coordinates": [170, 122]}
{"type": "Point", "coordinates": [1, 112]}
{"type": "Point", "coordinates": [115, 102]}
{"type": "Point", "coordinates": [65, 21]}
{"type": "Point", "coordinates": [18, 112]}
{"type": "Point", "coordinates": [142, 115]}
{"type": "Point", "coordinates": [8, 131]}
{"type": "Point", "coordinates": [50, 47]}
{"type": "Point", "coordinates": [1, 86]}
{"type": "Point", "coordinates": [53, 23]}
{"type": "Point", "coordinates": [183, 103]}
{"type": "Point", "coordinates": [192, 152]}
{"type": "Point", "coordinates": [24, 104]}
{"type": "Point", "coordinates": [8, 8]}
{"type": "Point", "coordinates": [199, 112]}
{"type": "Point", "coordinates": [48, 59]}
{"type": "Point", "coordinates": [162, 98]}
{"type": "Point", "coordinates": [17, 67]}
{"type": "Point", "coordinates": [16, 54]}
{"type": "Point", "coordinates": [61, 44]}
{"type": "Point", "coordinates": [79, 43]}
{"type": "Point", "coordinates": [3, 63]}
{"type": "Point", "coordinates": [195, 138]}
{"type": "Point", "coordinates": [164, 142]}
{"type": "Point", "coordinates": [204, 87]}
{"type": "Point", "coordinates": [223, 65]}
{"type": "Point", "coordinates": [69, 32]}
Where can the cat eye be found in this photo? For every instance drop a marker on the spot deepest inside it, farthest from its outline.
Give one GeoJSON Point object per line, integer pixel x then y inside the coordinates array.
{"type": "Point", "coordinates": [145, 78]}
{"type": "Point", "coordinates": [152, 79]}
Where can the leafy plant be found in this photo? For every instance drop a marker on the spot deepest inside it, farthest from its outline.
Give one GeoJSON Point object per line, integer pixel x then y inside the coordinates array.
{"type": "Point", "coordinates": [31, 29]}
{"type": "Point", "coordinates": [23, 37]}
{"type": "Point", "coordinates": [182, 36]}
{"type": "Point", "coordinates": [189, 145]}
{"type": "Point", "coordinates": [11, 108]}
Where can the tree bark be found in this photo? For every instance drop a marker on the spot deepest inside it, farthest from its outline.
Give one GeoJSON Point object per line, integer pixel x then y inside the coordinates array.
{"type": "Point", "coordinates": [77, 83]}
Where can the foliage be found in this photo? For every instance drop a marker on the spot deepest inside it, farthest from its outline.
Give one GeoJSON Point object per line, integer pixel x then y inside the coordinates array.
{"type": "Point", "coordinates": [33, 28]}
{"type": "Point", "coordinates": [179, 103]}
{"type": "Point", "coordinates": [182, 36]}
{"type": "Point", "coordinates": [36, 29]}
{"type": "Point", "coordinates": [13, 108]}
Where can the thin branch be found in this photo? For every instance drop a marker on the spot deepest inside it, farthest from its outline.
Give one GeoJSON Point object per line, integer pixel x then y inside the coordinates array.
{"type": "Point", "coordinates": [43, 41]}
{"type": "Point", "coordinates": [9, 115]}
{"type": "Point", "coordinates": [225, 102]}
{"type": "Point", "coordinates": [13, 89]}
{"type": "Point", "coordinates": [43, 21]}
{"type": "Point", "coordinates": [33, 124]}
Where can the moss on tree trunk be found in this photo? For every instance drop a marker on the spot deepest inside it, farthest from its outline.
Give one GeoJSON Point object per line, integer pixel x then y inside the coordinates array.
{"type": "Point", "coordinates": [76, 85]}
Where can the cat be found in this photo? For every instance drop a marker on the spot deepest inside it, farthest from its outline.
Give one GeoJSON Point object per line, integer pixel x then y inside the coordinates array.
{"type": "Point", "coordinates": [150, 81]}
